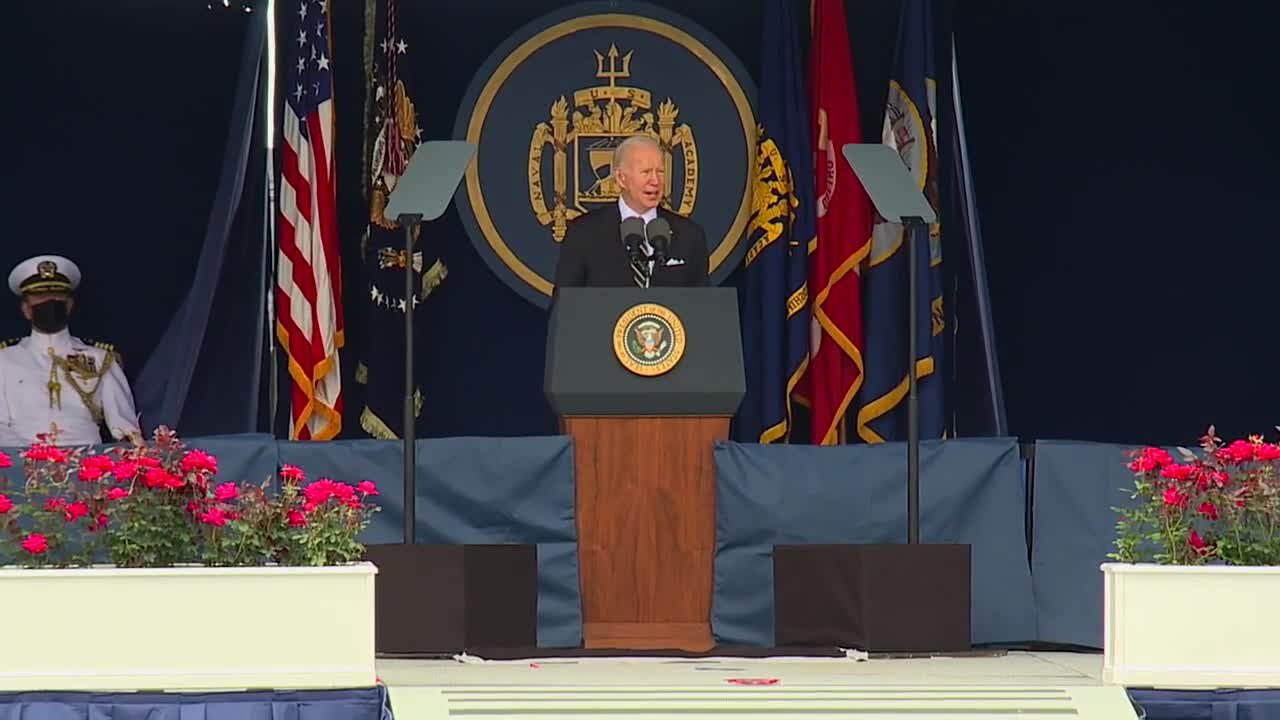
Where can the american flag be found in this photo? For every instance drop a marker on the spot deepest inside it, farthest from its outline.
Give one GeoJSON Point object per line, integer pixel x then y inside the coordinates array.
{"type": "Point", "coordinates": [309, 279]}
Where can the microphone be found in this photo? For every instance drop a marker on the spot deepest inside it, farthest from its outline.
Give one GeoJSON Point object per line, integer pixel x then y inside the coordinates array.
{"type": "Point", "coordinates": [659, 232]}
{"type": "Point", "coordinates": [633, 237]}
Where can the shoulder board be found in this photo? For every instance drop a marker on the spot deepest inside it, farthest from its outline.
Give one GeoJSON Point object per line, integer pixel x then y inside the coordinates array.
{"type": "Point", "coordinates": [10, 342]}
{"type": "Point", "coordinates": [103, 346]}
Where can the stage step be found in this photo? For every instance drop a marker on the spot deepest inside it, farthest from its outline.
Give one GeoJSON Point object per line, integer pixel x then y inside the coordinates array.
{"type": "Point", "coordinates": [812, 702]}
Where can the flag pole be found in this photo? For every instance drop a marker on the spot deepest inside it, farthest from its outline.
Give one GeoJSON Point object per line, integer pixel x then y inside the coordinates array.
{"type": "Point", "coordinates": [270, 268]}
{"type": "Point", "coordinates": [409, 432]}
{"type": "Point", "coordinates": [911, 229]}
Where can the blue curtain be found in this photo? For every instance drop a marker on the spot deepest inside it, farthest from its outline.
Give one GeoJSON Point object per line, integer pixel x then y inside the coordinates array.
{"type": "Point", "coordinates": [164, 386]}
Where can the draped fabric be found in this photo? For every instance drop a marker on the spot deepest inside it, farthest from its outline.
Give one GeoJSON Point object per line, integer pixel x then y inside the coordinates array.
{"type": "Point", "coordinates": [355, 704]}
{"type": "Point", "coordinates": [170, 376]}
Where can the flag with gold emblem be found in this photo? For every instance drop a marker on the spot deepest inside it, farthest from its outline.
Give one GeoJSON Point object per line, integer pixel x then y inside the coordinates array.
{"type": "Point", "coordinates": [392, 136]}
{"type": "Point", "coordinates": [775, 308]}
{"type": "Point", "coordinates": [910, 128]}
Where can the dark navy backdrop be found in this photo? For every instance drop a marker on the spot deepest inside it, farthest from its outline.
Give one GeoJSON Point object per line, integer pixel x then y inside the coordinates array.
{"type": "Point", "coordinates": [1121, 157]}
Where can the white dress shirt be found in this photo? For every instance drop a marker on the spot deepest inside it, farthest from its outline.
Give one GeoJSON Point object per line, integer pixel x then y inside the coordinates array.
{"type": "Point", "coordinates": [26, 409]}
{"type": "Point", "coordinates": [647, 217]}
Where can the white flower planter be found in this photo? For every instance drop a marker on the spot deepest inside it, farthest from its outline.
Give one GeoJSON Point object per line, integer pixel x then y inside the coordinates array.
{"type": "Point", "coordinates": [1191, 627]}
{"type": "Point", "coordinates": [187, 628]}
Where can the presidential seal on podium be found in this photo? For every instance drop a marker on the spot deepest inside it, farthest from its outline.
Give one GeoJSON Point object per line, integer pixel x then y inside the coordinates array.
{"type": "Point", "coordinates": [648, 339]}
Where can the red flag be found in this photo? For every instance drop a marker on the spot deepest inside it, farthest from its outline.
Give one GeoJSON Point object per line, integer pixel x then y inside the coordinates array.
{"type": "Point", "coordinates": [844, 228]}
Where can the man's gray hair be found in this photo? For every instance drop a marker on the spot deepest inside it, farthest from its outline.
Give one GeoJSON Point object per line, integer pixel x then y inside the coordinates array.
{"type": "Point", "coordinates": [620, 152]}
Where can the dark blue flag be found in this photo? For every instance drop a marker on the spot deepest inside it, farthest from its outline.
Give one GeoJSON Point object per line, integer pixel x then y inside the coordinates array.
{"type": "Point", "coordinates": [909, 127]}
{"type": "Point", "coordinates": [392, 136]}
{"type": "Point", "coordinates": [775, 307]}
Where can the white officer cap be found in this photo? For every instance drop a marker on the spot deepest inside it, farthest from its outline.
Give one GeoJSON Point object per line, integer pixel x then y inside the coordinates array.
{"type": "Point", "coordinates": [44, 274]}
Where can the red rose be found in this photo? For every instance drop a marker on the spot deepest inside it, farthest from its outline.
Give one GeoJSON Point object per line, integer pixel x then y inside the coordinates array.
{"type": "Point", "coordinates": [297, 519]}
{"type": "Point", "coordinates": [147, 461]}
{"type": "Point", "coordinates": [291, 473]}
{"type": "Point", "coordinates": [5, 504]}
{"type": "Point", "coordinates": [55, 504]}
{"type": "Point", "coordinates": [199, 461]}
{"type": "Point", "coordinates": [75, 511]}
{"type": "Point", "coordinates": [1142, 465]}
{"type": "Point", "coordinates": [1173, 498]}
{"type": "Point", "coordinates": [366, 487]}
{"type": "Point", "coordinates": [1267, 453]}
{"type": "Point", "coordinates": [319, 491]}
{"type": "Point", "coordinates": [1152, 458]}
{"type": "Point", "coordinates": [117, 493]}
{"type": "Point", "coordinates": [1176, 472]}
{"type": "Point", "coordinates": [1208, 509]}
{"type": "Point", "coordinates": [102, 520]}
{"type": "Point", "coordinates": [46, 453]}
{"type": "Point", "coordinates": [344, 492]}
{"type": "Point", "coordinates": [35, 543]}
{"type": "Point", "coordinates": [94, 467]}
{"type": "Point", "coordinates": [1238, 452]}
{"type": "Point", "coordinates": [1197, 543]}
{"type": "Point", "coordinates": [215, 517]}
{"type": "Point", "coordinates": [226, 492]}
{"type": "Point", "coordinates": [159, 478]}
{"type": "Point", "coordinates": [5, 461]}
{"type": "Point", "coordinates": [125, 471]}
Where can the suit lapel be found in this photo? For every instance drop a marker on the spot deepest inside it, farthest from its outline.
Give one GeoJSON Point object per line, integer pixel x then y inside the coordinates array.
{"type": "Point", "coordinates": [616, 251]}
{"type": "Point", "coordinates": [674, 250]}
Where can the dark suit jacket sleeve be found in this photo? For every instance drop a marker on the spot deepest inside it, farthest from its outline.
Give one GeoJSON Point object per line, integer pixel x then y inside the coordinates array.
{"type": "Point", "coordinates": [571, 268]}
{"type": "Point", "coordinates": [699, 260]}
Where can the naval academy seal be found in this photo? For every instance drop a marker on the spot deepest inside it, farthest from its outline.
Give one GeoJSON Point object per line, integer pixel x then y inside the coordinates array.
{"type": "Point", "coordinates": [550, 105]}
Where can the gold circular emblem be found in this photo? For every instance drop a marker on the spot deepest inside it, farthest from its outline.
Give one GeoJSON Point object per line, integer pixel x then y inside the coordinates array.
{"type": "Point", "coordinates": [648, 339]}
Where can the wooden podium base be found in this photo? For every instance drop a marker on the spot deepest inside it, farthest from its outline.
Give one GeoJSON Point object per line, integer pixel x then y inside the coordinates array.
{"type": "Point", "coordinates": [693, 637]}
{"type": "Point", "coordinates": [646, 529]}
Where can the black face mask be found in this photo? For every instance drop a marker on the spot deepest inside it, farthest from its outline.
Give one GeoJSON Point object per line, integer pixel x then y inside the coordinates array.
{"type": "Point", "coordinates": [49, 316]}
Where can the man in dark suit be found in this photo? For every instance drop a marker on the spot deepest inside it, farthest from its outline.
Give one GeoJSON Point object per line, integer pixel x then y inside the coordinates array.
{"type": "Point", "coordinates": [594, 254]}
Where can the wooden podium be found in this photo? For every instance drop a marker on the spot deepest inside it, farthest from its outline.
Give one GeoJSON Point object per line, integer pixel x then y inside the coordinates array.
{"type": "Point", "coordinates": [644, 429]}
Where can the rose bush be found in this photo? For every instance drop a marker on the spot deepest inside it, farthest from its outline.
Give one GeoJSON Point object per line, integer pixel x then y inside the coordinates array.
{"type": "Point", "coordinates": [1219, 505]}
{"type": "Point", "coordinates": [159, 504]}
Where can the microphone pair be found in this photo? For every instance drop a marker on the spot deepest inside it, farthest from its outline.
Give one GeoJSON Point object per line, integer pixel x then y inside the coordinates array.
{"type": "Point", "coordinates": [658, 233]}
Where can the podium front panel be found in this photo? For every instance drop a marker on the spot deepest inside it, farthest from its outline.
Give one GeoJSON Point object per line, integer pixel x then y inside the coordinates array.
{"type": "Point", "coordinates": [585, 377]}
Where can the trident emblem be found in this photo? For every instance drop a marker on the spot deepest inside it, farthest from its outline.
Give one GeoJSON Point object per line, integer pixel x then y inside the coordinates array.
{"type": "Point", "coordinates": [613, 74]}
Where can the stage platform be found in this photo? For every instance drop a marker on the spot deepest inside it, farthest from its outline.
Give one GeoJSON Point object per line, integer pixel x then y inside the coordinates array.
{"type": "Point", "coordinates": [990, 685]}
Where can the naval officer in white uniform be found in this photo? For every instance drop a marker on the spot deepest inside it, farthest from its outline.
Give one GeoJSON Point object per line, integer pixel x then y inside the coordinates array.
{"type": "Point", "coordinates": [51, 380]}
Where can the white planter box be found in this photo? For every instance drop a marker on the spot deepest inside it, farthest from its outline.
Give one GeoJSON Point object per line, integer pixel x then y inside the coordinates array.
{"type": "Point", "coordinates": [188, 628]}
{"type": "Point", "coordinates": [1191, 627]}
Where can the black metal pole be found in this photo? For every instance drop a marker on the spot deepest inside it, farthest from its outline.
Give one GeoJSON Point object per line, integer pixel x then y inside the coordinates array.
{"type": "Point", "coordinates": [911, 228]}
{"type": "Point", "coordinates": [409, 432]}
